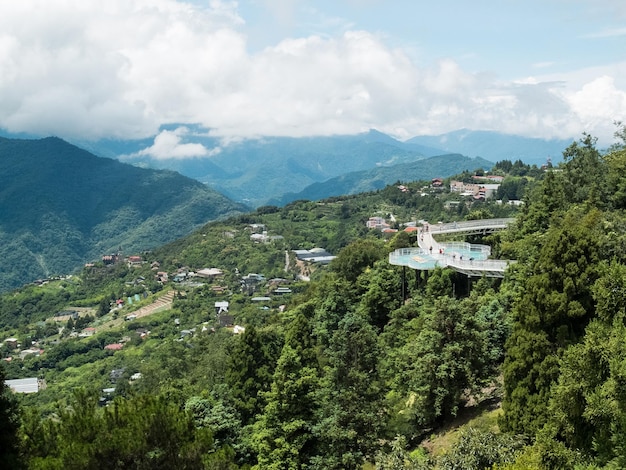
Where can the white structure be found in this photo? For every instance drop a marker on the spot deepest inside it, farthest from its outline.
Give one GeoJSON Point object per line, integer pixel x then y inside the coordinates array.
{"type": "Point", "coordinates": [29, 385]}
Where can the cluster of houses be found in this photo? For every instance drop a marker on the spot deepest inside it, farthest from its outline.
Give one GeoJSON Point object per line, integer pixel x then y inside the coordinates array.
{"type": "Point", "coordinates": [13, 344]}
{"type": "Point", "coordinates": [482, 188]}
{"type": "Point", "coordinates": [478, 191]}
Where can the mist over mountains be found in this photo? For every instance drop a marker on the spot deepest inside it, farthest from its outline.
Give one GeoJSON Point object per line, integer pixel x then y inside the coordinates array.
{"type": "Point", "coordinates": [258, 171]}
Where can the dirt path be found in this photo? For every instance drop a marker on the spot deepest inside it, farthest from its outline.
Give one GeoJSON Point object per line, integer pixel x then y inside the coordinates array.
{"type": "Point", "coordinates": [162, 303]}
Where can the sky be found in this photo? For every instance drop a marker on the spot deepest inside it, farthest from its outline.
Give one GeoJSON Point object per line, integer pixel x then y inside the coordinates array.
{"type": "Point", "coordinates": [123, 69]}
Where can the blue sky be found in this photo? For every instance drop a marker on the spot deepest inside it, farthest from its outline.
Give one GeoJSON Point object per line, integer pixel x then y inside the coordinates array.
{"type": "Point", "coordinates": [86, 69]}
{"type": "Point", "coordinates": [511, 38]}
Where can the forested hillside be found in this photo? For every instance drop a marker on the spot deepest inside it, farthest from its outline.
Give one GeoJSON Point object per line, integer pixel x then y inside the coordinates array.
{"type": "Point", "coordinates": [61, 206]}
{"type": "Point", "coordinates": [269, 361]}
{"type": "Point", "coordinates": [441, 166]}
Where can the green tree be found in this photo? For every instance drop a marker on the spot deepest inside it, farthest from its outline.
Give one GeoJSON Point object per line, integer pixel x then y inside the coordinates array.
{"type": "Point", "coordinates": [218, 415]}
{"type": "Point", "coordinates": [9, 426]}
{"type": "Point", "coordinates": [356, 257]}
{"type": "Point", "coordinates": [399, 459]}
{"type": "Point", "coordinates": [382, 293]}
{"type": "Point", "coordinates": [588, 404]}
{"type": "Point", "coordinates": [140, 433]}
{"type": "Point", "coordinates": [250, 373]}
{"type": "Point", "coordinates": [351, 397]}
{"type": "Point", "coordinates": [333, 300]}
{"type": "Point", "coordinates": [477, 449]}
{"type": "Point", "coordinates": [555, 307]}
{"type": "Point", "coordinates": [446, 358]}
{"type": "Point", "coordinates": [585, 173]}
{"type": "Point", "coordinates": [284, 434]}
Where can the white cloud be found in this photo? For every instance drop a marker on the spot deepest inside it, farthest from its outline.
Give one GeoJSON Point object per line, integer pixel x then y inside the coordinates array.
{"type": "Point", "coordinates": [123, 68]}
{"type": "Point", "coordinates": [168, 145]}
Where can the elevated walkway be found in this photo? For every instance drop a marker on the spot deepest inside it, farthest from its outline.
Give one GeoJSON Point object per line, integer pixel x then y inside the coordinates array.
{"type": "Point", "coordinates": [465, 258]}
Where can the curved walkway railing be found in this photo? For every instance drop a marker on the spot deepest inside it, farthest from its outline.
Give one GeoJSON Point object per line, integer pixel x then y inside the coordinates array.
{"type": "Point", "coordinates": [463, 257]}
{"type": "Point", "coordinates": [482, 225]}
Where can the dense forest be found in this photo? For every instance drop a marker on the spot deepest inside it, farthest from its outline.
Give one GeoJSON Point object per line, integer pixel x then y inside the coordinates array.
{"type": "Point", "coordinates": [61, 206]}
{"type": "Point", "coordinates": [358, 364]}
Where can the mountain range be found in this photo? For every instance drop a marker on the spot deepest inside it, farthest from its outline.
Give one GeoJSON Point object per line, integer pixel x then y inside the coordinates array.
{"type": "Point", "coordinates": [258, 171]}
{"type": "Point", "coordinates": [61, 206]}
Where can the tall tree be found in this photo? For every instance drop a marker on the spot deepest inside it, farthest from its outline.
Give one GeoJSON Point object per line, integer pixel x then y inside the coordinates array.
{"type": "Point", "coordinates": [351, 407]}
{"type": "Point", "coordinates": [585, 173]}
{"type": "Point", "coordinates": [284, 434]}
{"type": "Point", "coordinates": [555, 307]}
{"type": "Point", "coordinates": [250, 373]}
{"type": "Point", "coordinates": [383, 293]}
{"type": "Point", "coordinates": [356, 257]}
{"type": "Point", "coordinates": [588, 404]}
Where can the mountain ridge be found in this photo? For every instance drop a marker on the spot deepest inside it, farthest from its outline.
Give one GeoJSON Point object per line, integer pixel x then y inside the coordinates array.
{"type": "Point", "coordinates": [62, 206]}
{"type": "Point", "coordinates": [255, 171]}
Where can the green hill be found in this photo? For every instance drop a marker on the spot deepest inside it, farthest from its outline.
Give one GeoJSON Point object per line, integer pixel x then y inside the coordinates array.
{"type": "Point", "coordinates": [373, 179]}
{"type": "Point", "coordinates": [61, 206]}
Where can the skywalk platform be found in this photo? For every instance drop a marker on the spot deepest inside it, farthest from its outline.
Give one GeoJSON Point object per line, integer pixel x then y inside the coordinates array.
{"type": "Point", "coordinates": [469, 259]}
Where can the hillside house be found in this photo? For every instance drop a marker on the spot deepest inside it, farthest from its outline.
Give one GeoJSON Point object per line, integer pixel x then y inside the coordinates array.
{"type": "Point", "coordinates": [11, 343]}
{"type": "Point", "coordinates": [282, 290]}
{"type": "Point", "coordinates": [377, 223]}
{"type": "Point", "coordinates": [116, 374]}
{"type": "Point", "coordinates": [264, 237]}
{"type": "Point", "coordinates": [30, 352]}
{"type": "Point", "coordinates": [256, 228]}
{"type": "Point", "coordinates": [134, 261]}
{"type": "Point", "coordinates": [87, 332]}
{"type": "Point", "coordinates": [250, 282]}
{"type": "Point", "coordinates": [259, 237]}
{"type": "Point", "coordinates": [210, 273]}
{"type": "Point", "coordinates": [450, 205]}
{"type": "Point", "coordinates": [221, 307]}
{"type": "Point", "coordinates": [110, 259]}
